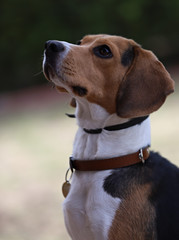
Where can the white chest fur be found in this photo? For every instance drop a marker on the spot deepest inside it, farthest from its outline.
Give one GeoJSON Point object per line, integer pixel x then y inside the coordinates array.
{"type": "Point", "coordinates": [88, 209]}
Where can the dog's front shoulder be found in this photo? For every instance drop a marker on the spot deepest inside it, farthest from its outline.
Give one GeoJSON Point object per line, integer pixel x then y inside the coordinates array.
{"type": "Point", "coordinates": [150, 197]}
{"type": "Point", "coordinates": [155, 171]}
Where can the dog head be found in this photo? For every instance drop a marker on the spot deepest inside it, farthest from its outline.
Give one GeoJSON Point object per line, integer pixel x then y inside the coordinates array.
{"type": "Point", "coordinates": [111, 71]}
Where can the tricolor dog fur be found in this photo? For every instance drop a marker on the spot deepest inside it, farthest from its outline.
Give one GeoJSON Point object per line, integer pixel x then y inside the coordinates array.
{"type": "Point", "coordinates": [113, 81]}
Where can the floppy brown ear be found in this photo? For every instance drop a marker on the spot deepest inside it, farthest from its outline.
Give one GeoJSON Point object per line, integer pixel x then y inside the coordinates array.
{"type": "Point", "coordinates": [144, 87]}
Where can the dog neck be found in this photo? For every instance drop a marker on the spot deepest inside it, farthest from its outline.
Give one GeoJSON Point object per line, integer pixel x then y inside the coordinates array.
{"type": "Point", "coordinates": [107, 144]}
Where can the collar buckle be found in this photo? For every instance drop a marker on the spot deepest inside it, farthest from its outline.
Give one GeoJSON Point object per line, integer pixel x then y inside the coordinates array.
{"type": "Point", "coordinates": [141, 155]}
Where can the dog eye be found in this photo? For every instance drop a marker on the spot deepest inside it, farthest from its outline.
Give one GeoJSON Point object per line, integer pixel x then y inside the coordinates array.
{"type": "Point", "coordinates": [103, 51]}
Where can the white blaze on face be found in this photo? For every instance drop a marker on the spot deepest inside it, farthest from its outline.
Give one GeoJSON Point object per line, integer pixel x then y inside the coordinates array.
{"type": "Point", "coordinates": [54, 62]}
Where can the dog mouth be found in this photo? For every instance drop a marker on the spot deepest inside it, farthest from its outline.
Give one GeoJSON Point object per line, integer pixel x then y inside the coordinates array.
{"type": "Point", "coordinates": [48, 72]}
{"type": "Point", "coordinates": [50, 75]}
{"type": "Point", "coordinates": [50, 66]}
{"type": "Point", "coordinates": [53, 76]}
{"type": "Point", "coordinates": [62, 75]}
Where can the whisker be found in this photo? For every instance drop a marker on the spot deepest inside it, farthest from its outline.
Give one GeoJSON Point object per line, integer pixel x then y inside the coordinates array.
{"type": "Point", "coordinates": [37, 74]}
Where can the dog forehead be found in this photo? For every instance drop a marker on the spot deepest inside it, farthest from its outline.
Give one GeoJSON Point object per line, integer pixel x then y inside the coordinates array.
{"type": "Point", "coordinates": [106, 39]}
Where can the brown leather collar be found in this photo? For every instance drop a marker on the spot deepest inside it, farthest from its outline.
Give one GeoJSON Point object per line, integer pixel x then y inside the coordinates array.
{"type": "Point", "coordinates": [110, 163]}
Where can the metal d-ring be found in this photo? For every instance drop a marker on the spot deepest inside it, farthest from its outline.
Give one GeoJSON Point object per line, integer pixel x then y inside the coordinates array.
{"type": "Point", "coordinates": [66, 175]}
{"type": "Point", "coordinates": [141, 156]}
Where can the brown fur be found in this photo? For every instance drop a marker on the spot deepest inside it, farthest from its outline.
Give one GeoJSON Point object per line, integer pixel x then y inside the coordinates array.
{"type": "Point", "coordinates": [135, 218]}
{"type": "Point", "coordinates": [144, 87]}
{"type": "Point", "coordinates": [97, 75]}
{"type": "Point", "coordinates": [131, 91]}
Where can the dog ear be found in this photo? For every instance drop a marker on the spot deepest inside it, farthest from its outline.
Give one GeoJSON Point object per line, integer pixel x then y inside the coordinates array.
{"type": "Point", "coordinates": [144, 87]}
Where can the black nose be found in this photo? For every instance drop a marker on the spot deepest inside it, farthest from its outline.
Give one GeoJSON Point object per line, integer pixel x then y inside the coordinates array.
{"type": "Point", "coordinates": [54, 46]}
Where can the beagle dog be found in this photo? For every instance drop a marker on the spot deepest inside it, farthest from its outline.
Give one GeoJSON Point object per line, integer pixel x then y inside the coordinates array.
{"type": "Point", "coordinates": [119, 190]}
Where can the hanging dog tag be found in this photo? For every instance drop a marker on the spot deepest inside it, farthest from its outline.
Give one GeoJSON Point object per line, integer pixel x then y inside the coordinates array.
{"type": "Point", "coordinates": [66, 188]}
{"type": "Point", "coordinates": [66, 185]}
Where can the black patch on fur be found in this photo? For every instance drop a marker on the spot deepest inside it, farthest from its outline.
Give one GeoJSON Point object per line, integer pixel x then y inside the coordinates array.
{"type": "Point", "coordinates": [120, 181]}
{"type": "Point", "coordinates": [80, 91]}
{"type": "Point", "coordinates": [78, 42]}
{"type": "Point", "coordinates": [127, 56]}
{"type": "Point", "coordinates": [164, 179]}
{"type": "Point", "coordinates": [165, 198]}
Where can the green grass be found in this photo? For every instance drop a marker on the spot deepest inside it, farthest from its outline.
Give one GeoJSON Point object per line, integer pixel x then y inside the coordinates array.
{"type": "Point", "coordinates": [34, 151]}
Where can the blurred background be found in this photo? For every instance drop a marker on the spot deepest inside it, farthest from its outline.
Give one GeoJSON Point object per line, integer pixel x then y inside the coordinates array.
{"type": "Point", "coordinates": [35, 136]}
